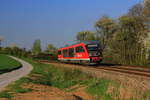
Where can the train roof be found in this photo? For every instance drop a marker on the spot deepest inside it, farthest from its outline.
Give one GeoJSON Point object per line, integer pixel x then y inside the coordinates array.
{"type": "Point", "coordinates": [85, 42]}
{"type": "Point", "coordinates": [89, 42]}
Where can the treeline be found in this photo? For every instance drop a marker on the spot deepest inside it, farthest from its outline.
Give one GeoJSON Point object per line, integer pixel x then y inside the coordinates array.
{"type": "Point", "coordinates": [50, 52]}
{"type": "Point", "coordinates": [125, 40]}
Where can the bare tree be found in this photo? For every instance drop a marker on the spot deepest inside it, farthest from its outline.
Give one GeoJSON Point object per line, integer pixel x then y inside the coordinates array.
{"type": "Point", "coordinates": [136, 10]}
{"type": "Point", "coordinates": [1, 39]}
{"type": "Point", "coordinates": [146, 10]}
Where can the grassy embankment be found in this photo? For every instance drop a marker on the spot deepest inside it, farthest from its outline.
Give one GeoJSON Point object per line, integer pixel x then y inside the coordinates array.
{"type": "Point", "coordinates": [8, 64]}
{"type": "Point", "coordinates": [64, 78]}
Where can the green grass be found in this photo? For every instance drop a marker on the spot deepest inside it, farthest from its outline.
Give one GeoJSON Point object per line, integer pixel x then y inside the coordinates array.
{"type": "Point", "coordinates": [58, 77]}
{"type": "Point", "coordinates": [8, 64]}
{"type": "Point", "coordinates": [64, 78]}
{"type": "Point", "coordinates": [5, 94]}
{"type": "Point", "coordinates": [16, 87]}
{"type": "Point", "coordinates": [47, 75]}
{"type": "Point", "coordinates": [98, 88]}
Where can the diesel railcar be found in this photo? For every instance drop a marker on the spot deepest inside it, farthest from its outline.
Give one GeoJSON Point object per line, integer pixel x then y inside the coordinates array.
{"type": "Point", "coordinates": [83, 52]}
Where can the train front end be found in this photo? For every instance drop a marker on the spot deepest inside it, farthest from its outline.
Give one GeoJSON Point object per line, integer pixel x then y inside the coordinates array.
{"type": "Point", "coordinates": [94, 52]}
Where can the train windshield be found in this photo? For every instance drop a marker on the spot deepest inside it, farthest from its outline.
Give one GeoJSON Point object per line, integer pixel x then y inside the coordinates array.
{"type": "Point", "coordinates": [92, 47]}
{"type": "Point", "coordinates": [93, 50]}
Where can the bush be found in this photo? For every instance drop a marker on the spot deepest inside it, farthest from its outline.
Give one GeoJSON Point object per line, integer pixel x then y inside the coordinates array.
{"type": "Point", "coordinates": [5, 94]}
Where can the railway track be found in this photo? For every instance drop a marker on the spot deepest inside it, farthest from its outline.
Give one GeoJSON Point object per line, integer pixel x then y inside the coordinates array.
{"type": "Point", "coordinates": [128, 71]}
{"type": "Point", "coordinates": [132, 70]}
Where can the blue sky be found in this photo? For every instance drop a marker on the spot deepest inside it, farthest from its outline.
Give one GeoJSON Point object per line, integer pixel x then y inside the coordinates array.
{"type": "Point", "coordinates": [54, 21]}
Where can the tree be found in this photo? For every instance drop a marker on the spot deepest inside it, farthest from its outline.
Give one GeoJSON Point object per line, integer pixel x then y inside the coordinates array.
{"type": "Point", "coordinates": [128, 41]}
{"type": "Point", "coordinates": [7, 50]}
{"type": "Point", "coordinates": [136, 10]}
{"type": "Point", "coordinates": [105, 28]}
{"type": "Point", "coordinates": [15, 50]}
{"type": "Point", "coordinates": [85, 35]}
{"type": "Point", "coordinates": [146, 10]}
{"type": "Point", "coordinates": [50, 49]}
{"type": "Point", "coordinates": [13, 45]}
{"type": "Point", "coordinates": [36, 49]}
{"type": "Point", "coordinates": [1, 39]}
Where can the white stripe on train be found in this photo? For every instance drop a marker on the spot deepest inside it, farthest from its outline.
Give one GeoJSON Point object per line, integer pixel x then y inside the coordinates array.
{"type": "Point", "coordinates": [87, 59]}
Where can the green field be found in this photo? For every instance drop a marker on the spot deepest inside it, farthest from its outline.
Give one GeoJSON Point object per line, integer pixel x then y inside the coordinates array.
{"type": "Point", "coordinates": [65, 78]}
{"type": "Point", "coordinates": [8, 64]}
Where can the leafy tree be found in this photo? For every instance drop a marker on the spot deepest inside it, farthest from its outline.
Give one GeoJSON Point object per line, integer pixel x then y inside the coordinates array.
{"type": "Point", "coordinates": [128, 41]}
{"type": "Point", "coordinates": [36, 49]}
{"type": "Point", "coordinates": [7, 50]}
{"type": "Point", "coordinates": [50, 49]}
{"type": "Point", "coordinates": [85, 35]}
{"type": "Point", "coordinates": [105, 28]}
{"type": "Point", "coordinates": [15, 50]}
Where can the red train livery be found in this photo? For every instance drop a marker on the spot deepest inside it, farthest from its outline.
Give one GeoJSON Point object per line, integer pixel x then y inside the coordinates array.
{"type": "Point", "coordinates": [83, 52]}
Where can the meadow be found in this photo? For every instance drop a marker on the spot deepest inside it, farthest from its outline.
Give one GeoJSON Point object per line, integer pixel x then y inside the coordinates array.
{"type": "Point", "coordinates": [7, 64]}
{"type": "Point", "coordinates": [64, 79]}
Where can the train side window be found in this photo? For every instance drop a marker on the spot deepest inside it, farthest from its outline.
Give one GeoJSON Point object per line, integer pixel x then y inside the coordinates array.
{"type": "Point", "coordinates": [71, 52]}
{"type": "Point", "coordinates": [79, 49]}
{"type": "Point", "coordinates": [65, 53]}
{"type": "Point", "coordinates": [59, 52]}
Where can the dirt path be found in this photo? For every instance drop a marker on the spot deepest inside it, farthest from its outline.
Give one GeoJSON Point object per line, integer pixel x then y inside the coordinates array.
{"type": "Point", "coordinates": [9, 77]}
{"type": "Point", "coordinates": [43, 92]}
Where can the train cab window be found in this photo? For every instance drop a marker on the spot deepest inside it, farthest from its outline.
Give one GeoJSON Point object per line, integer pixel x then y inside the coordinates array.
{"type": "Point", "coordinates": [65, 53]}
{"type": "Point", "coordinates": [71, 52]}
{"type": "Point", "coordinates": [59, 52]}
{"type": "Point", "coordinates": [79, 49]}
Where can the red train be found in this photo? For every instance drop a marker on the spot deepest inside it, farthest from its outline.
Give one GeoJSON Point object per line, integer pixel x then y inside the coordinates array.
{"type": "Point", "coordinates": [83, 52]}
